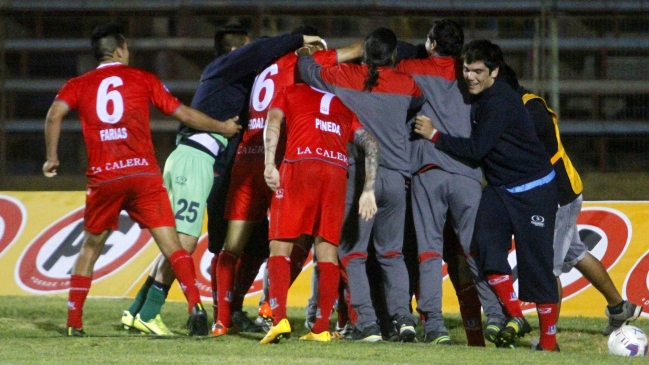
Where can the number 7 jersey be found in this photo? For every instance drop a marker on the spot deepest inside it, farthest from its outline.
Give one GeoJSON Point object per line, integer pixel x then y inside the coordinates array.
{"type": "Point", "coordinates": [113, 104]}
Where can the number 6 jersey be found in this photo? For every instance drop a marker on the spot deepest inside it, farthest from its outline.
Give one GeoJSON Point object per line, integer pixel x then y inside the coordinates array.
{"type": "Point", "coordinates": [113, 103]}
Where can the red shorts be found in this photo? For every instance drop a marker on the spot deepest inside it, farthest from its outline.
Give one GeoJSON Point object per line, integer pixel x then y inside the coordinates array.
{"type": "Point", "coordinates": [248, 196]}
{"type": "Point", "coordinates": [310, 201]}
{"type": "Point", "coordinates": [143, 197]}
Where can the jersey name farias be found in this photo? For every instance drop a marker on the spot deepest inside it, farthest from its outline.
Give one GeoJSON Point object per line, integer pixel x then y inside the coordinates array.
{"type": "Point", "coordinates": [267, 84]}
{"type": "Point", "coordinates": [318, 125]}
{"type": "Point", "coordinates": [113, 104]}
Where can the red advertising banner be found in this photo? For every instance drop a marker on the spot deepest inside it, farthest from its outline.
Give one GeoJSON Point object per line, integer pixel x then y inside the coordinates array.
{"type": "Point", "coordinates": [41, 234]}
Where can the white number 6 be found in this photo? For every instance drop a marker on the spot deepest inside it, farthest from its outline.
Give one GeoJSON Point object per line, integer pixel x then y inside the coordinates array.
{"type": "Point", "coordinates": [260, 84]}
{"type": "Point", "coordinates": [103, 97]}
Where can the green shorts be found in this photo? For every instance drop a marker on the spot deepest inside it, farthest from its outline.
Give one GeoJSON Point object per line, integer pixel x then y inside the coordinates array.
{"type": "Point", "coordinates": [188, 175]}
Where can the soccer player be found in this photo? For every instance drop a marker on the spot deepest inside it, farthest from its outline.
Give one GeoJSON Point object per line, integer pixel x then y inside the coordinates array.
{"type": "Point", "coordinates": [444, 184]}
{"type": "Point", "coordinates": [382, 98]}
{"type": "Point", "coordinates": [113, 103]}
{"type": "Point", "coordinates": [309, 193]}
{"type": "Point", "coordinates": [569, 250]}
{"type": "Point", "coordinates": [249, 198]}
{"type": "Point", "coordinates": [223, 93]}
{"type": "Point", "coordinates": [520, 196]}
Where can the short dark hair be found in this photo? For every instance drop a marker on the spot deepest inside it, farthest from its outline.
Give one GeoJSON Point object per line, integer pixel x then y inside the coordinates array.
{"type": "Point", "coordinates": [449, 37]}
{"type": "Point", "coordinates": [306, 29]}
{"type": "Point", "coordinates": [483, 50]}
{"type": "Point", "coordinates": [231, 35]}
{"type": "Point", "coordinates": [508, 75]}
{"type": "Point", "coordinates": [105, 39]}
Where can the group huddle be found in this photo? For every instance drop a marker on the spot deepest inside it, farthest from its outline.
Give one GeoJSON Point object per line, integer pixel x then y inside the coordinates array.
{"type": "Point", "coordinates": [383, 157]}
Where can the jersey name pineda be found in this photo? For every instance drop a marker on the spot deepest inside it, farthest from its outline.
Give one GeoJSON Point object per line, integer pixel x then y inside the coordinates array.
{"type": "Point", "coordinates": [327, 126]}
{"type": "Point", "coordinates": [112, 134]}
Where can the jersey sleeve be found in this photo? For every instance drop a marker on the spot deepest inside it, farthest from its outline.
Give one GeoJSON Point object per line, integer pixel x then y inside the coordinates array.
{"type": "Point", "coordinates": [326, 58]}
{"type": "Point", "coordinates": [68, 94]}
{"type": "Point", "coordinates": [161, 97]}
{"type": "Point", "coordinates": [356, 124]}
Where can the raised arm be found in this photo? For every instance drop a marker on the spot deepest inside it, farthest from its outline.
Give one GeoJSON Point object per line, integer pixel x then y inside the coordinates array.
{"type": "Point", "coordinates": [198, 120]}
{"type": "Point", "coordinates": [364, 140]}
{"type": "Point", "coordinates": [53, 120]}
{"type": "Point", "coordinates": [271, 139]}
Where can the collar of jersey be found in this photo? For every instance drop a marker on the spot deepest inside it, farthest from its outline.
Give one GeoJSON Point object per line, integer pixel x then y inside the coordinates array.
{"type": "Point", "coordinates": [109, 64]}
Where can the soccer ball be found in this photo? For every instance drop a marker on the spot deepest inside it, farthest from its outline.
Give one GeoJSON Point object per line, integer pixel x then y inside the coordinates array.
{"type": "Point", "coordinates": [627, 341]}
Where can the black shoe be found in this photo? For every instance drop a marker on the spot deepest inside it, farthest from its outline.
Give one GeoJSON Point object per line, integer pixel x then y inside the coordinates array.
{"type": "Point", "coordinates": [539, 348]}
{"type": "Point", "coordinates": [74, 332]}
{"type": "Point", "coordinates": [197, 324]}
{"type": "Point", "coordinates": [437, 338]}
{"type": "Point", "coordinates": [405, 325]}
{"type": "Point", "coordinates": [371, 333]}
{"type": "Point", "coordinates": [492, 331]}
{"type": "Point", "coordinates": [516, 328]}
{"type": "Point", "coordinates": [241, 320]}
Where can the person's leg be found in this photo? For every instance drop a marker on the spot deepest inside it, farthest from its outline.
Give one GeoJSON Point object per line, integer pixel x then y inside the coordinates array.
{"type": "Point", "coordinates": [390, 218]}
{"type": "Point", "coordinates": [235, 241]}
{"type": "Point", "coordinates": [353, 257]}
{"type": "Point", "coordinates": [429, 207]}
{"type": "Point", "coordinates": [464, 200]}
{"type": "Point", "coordinates": [183, 267]}
{"type": "Point", "coordinates": [279, 268]}
{"type": "Point", "coordinates": [328, 282]}
{"type": "Point", "coordinates": [81, 279]}
{"type": "Point", "coordinates": [534, 255]}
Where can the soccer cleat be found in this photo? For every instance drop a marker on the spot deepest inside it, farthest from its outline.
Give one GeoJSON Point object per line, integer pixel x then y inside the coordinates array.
{"type": "Point", "coordinates": [240, 320]}
{"type": "Point", "coordinates": [368, 334]}
{"type": "Point", "coordinates": [265, 311]}
{"type": "Point", "coordinates": [276, 333]}
{"type": "Point", "coordinates": [492, 331]}
{"type": "Point", "coordinates": [74, 332]}
{"type": "Point", "coordinates": [197, 323]}
{"type": "Point", "coordinates": [308, 323]}
{"type": "Point", "coordinates": [320, 337]}
{"type": "Point", "coordinates": [437, 338]}
{"type": "Point", "coordinates": [341, 332]}
{"type": "Point", "coordinates": [218, 329]}
{"type": "Point", "coordinates": [153, 327]}
{"type": "Point", "coordinates": [127, 320]}
{"type": "Point", "coordinates": [265, 323]}
{"type": "Point", "coordinates": [630, 312]}
{"type": "Point", "coordinates": [516, 328]}
{"type": "Point", "coordinates": [406, 327]}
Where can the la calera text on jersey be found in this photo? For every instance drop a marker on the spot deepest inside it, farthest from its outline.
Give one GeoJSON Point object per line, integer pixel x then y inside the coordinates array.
{"type": "Point", "coordinates": [112, 134]}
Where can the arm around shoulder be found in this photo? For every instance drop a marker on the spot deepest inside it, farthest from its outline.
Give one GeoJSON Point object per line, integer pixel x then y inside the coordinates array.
{"type": "Point", "coordinates": [198, 120]}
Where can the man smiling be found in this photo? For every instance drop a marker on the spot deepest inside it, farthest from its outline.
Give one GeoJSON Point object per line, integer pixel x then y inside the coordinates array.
{"type": "Point", "coordinates": [520, 197]}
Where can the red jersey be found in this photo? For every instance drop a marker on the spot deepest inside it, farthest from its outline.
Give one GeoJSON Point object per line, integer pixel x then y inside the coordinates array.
{"type": "Point", "coordinates": [113, 103]}
{"type": "Point", "coordinates": [267, 84]}
{"type": "Point", "coordinates": [318, 125]}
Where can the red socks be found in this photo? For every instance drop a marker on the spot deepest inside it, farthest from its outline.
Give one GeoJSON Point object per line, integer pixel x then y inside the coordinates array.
{"type": "Point", "coordinates": [547, 325]}
{"type": "Point", "coordinates": [79, 287]}
{"type": "Point", "coordinates": [279, 280]}
{"type": "Point", "coordinates": [183, 268]}
{"type": "Point", "coordinates": [213, 281]}
{"type": "Point", "coordinates": [328, 282]}
{"type": "Point", "coordinates": [504, 289]}
{"type": "Point", "coordinates": [225, 272]}
{"type": "Point", "coordinates": [470, 310]}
